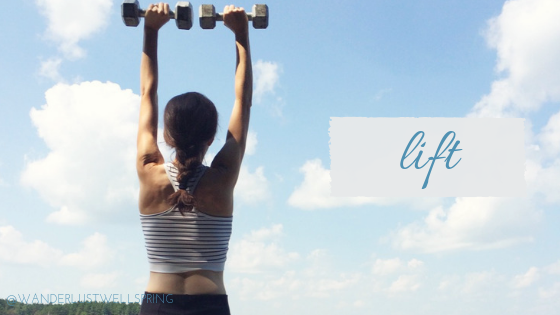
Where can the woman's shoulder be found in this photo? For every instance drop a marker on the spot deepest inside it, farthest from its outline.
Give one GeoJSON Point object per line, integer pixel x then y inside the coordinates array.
{"type": "Point", "coordinates": [155, 187]}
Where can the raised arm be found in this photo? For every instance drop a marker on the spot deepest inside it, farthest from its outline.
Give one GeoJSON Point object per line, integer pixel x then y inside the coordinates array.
{"type": "Point", "coordinates": [231, 155]}
{"type": "Point", "coordinates": [148, 153]}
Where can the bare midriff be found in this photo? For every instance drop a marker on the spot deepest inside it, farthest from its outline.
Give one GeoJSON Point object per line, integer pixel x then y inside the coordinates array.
{"type": "Point", "coordinates": [193, 282]}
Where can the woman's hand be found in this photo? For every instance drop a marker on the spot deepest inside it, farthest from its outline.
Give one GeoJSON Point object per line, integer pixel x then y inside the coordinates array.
{"type": "Point", "coordinates": [156, 16]}
{"type": "Point", "coordinates": [236, 20]}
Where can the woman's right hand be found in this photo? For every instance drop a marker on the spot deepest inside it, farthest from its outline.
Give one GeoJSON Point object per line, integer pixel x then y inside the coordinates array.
{"type": "Point", "coordinates": [156, 16]}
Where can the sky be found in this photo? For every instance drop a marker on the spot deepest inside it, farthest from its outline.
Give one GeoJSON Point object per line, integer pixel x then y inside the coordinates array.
{"type": "Point", "coordinates": [69, 223]}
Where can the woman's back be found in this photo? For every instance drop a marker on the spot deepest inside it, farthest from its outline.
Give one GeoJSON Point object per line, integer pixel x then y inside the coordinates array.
{"type": "Point", "coordinates": [212, 195]}
{"type": "Point", "coordinates": [186, 208]}
{"type": "Point", "coordinates": [187, 252]}
{"type": "Point", "coordinates": [180, 241]}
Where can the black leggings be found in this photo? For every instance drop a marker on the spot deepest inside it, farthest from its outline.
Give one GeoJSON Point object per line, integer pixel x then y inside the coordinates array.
{"type": "Point", "coordinates": [184, 304]}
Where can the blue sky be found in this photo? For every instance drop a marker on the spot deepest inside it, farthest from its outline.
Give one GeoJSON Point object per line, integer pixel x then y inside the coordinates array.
{"type": "Point", "coordinates": [69, 221]}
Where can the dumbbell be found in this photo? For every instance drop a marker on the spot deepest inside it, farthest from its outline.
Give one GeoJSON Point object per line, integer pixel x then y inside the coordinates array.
{"type": "Point", "coordinates": [208, 16]}
{"type": "Point", "coordinates": [183, 15]}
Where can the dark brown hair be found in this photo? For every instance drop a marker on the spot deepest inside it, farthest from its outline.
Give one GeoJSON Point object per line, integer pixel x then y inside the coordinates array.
{"type": "Point", "coordinates": [190, 120]}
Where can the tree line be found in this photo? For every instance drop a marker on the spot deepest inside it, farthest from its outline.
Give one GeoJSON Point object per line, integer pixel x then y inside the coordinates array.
{"type": "Point", "coordinates": [78, 308]}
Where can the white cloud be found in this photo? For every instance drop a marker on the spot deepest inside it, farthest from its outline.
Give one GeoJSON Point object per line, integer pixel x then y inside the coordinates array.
{"type": "Point", "coordinates": [315, 192]}
{"type": "Point", "coordinates": [259, 251]}
{"type": "Point", "coordinates": [386, 266]}
{"type": "Point", "coordinates": [479, 282]}
{"type": "Point", "coordinates": [475, 286]}
{"type": "Point", "coordinates": [50, 69]}
{"type": "Point", "coordinates": [325, 287]}
{"type": "Point", "coordinates": [448, 282]}
{"type": "Point", "coordinates": [405, 283]}
{"type": "Point", "coordinates": [408, 275]}
{"type": "Point", "coordinates": [251, 146]}
{"type": "Point", "coordinates": [14, 249]}
{"type": "Point", "coordinates": [470, 223]}
{"type": "Point", "coordinates": [390, 266]}
{"type": "Point", "coordinates": [90, 129]}
{"type": "Point", "coordinates": [543, 163]}
{"type": "Point", "coordinates": [99, 280]}
{"type": "Point", "coordinates": [317, 278]}
{"type": "Point", "coordinates": [265, 234]}
{"type": "Point", "coordinates": [68, 217]}
{"type": "Point", "coordinates": [252, 188]}
{"type": "Point", "coordinates": [318, 261]}
{"type": "Point", "coordinates": [525, 280]}
{"type": "Point", "coordinates": [267, 80]}
{"type": "Point", "coordinates": [552, 292]}
{"type": "Point", "coordinates": [70, 21]}
{"type": "Point", "coordinates": [415, 263]}
{"type": "Point", "coordinates": [266, 290]}
{"type": "Point", "coordinates": [267, 76]}
{"type": "Point", "coordinates": [544, 180]}
{"type": "Point", "coordinates": [95, 252]}
{"type": "Point", "coordinates": [549, 136]}
{"type": "Point", "coordinates": [381, 94]}
{"type": "Point", "coordinates": [89, 172]}
{"type": "Point", "coordinates": [526, 36]}
{"type": "Point", "coordinates": [553, 269]}
{"type": "Point", "coordinates": [294, 285]}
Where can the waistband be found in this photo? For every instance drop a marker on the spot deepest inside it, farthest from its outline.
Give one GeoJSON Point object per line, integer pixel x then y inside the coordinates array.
{"type": "Point", "coordinates": [180, 300]}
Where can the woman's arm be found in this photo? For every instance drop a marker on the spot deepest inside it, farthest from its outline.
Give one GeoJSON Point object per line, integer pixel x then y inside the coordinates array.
{"type": "Point", "coordinates": [231, 155]}
{"type": "Point", "coordinates": [148, 153]}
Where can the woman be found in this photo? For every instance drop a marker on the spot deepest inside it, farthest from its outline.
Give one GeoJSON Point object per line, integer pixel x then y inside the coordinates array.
{"type": "Point", "coordinates": [185, 207]}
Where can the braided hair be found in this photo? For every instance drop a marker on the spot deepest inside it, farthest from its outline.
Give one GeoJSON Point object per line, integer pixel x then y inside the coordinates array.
{"type": "Point", "coordinates": [190, 121]}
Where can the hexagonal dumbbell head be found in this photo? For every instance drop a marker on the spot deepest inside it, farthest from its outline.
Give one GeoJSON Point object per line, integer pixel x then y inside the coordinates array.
{"type": "Point", "coordinates": [207, 16]}
{"type": "Point", "coordinates": [130, 11]}
{"type": "Point", "coordinates": [184, 15]}
{"type": "Point", "coordinates": [260, 16]}
{"type": "Point", "coordinates": [131, 14]}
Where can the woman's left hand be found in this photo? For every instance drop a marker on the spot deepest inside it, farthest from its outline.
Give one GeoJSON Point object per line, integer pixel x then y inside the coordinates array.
{"type": "Point", "coordinates": [156, 16]}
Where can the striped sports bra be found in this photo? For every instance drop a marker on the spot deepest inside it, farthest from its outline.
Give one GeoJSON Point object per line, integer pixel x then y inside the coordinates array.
{"type": "Point", "coordinates": [195, 241]}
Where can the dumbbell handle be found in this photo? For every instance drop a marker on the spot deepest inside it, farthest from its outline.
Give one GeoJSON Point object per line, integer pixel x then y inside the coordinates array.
{"type": "Point", "coordinates": [220, 16]}
{"type": "Point", "coordinates": [142, 13]}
